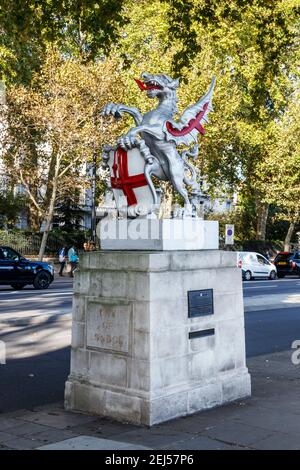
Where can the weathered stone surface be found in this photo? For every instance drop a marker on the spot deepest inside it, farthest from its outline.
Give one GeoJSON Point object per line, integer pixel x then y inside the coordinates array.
{"type": "Point", "coordinates": [80, 361]}
{"type": "Point", "coordinates": [108, 369]}
{"type": "Point", "coordinates": [78, 308]}
{"type": "Point", "coordinates": [132, 358]}
{"type": "Point", "coordinates": [108, 325]}
{"type": "Point", "coordinates": [78, 334]}
{"type": "Point", "coordinates": [205, 397]}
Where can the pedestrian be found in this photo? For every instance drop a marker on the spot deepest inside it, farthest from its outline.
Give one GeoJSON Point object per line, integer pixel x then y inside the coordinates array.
{"type": "Point", "coordinates": [73, 259]}
{"type": "Point", "coordinates": [62, 259]}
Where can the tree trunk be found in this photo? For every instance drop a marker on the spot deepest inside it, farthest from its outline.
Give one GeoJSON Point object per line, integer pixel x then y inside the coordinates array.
{"type": "Point", "coordinates": [48, 221]}
{"type": "Point", "coordinates": [50, 211]}
{"type": "Point", "coordinates": [33, 217]}
{"type": "Point", "coordinates": [262, 217]}
{"type": "Point", "coordinates": [287, 240]}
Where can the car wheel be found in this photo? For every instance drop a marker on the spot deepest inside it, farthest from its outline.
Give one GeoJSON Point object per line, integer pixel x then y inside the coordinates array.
{"type": "Point", "coordinates": [247, 276]}
{"type": "Point", "coordinates": [18, 286]}
{"type": "Point", "coordinates": [272, 275]}
{"type": "Point", "coordinates": [42, 280]}
{"type": "Point", "coordinates": [280, 275]}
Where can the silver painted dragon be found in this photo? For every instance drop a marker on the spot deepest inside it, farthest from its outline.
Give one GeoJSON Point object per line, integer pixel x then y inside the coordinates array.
{"type": "Point", "coordinates": [157, 135]}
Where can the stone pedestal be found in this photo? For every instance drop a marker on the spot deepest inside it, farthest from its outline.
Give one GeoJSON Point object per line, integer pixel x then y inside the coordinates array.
{"type": "Point", "coordinates": [137, 355]}
{"type": "Point", "coordinates": [158, 234]}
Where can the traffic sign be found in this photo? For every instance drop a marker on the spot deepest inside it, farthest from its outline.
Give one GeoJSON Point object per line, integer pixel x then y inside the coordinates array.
{"type": "Point", "coordinates": [229, 234]}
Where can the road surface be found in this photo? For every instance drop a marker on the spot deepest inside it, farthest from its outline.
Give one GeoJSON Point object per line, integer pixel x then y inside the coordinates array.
{"type": "Point", "coordinates": [272, 315]}
{"type": "Point", "coordinates": [36, 328]}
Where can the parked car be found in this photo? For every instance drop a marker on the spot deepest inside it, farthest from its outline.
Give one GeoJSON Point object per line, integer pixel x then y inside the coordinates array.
{"type": "Point", "coordinates": [287, 263]}
{"type": "Point", "coordinates": [17, 271]}
{"type": "Point", "coordinates": [255, 265]}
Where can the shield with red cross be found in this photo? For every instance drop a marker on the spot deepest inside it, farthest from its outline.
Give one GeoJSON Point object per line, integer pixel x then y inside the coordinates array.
{"type": "Point", "coordinates": [128, 180]}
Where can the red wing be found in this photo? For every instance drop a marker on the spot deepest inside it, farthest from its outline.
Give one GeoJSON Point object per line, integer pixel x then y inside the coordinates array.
{"type": "Point", "coordinates": [191, 121]}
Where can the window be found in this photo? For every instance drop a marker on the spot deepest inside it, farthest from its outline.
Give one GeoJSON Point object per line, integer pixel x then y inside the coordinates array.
{"type": "Point", "coordinates": [283, 257]}
{"type": "Point", "coordinates": [7, 254]}
{"type": "Point", "coordinates": [262, 260]}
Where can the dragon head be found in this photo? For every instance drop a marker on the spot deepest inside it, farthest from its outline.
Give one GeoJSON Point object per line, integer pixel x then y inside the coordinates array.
{"type": "Point", "coordinates": [159, 86]}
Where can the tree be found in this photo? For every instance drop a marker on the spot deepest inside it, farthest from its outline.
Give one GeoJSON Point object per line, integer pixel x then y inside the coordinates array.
{"type": "Point", "coordinates": [57, 120]}
{"type": "Point", "coordinates": [79, 28]}
{"type": "Point", "coordinates": [252, 47]}
{"type": "Point", "coordinates": [282, 168]}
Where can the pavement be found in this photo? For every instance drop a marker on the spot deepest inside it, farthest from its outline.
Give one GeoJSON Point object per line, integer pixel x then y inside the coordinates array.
{"type": "Point", "coordinates": [31, 393]}
{"type": "Point", "coordinates": [270, 419]}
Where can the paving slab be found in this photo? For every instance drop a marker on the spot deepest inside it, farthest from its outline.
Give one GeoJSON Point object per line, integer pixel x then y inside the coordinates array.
{"type": "Point", "coordinates": [51, 435]}
{"type": "Point", "coordinates": [155, 437]}
{"type": "Point", "coordinates": [202, 443]}
{"type": "Point", "coordinates": [22, 443]}
{"type": "Point", "coordinates": [103, 428]}
{"type": "Point", "coordinates": [27, 430]}
{"type": "Point", "coordinates": [6, 423]}
{"type": "Point", "coordinates": [59, 419]}
{"type": "Point", "coordinates": [235, 433]}
{"type": "Point", "coordinates": [5, 436]}
{"type": "Point", "coordinates": [279, 441]}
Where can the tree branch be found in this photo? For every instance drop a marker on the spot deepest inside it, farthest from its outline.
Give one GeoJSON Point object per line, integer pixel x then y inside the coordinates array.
{"type": "Point", "coordinates": [64, 171]}
{"type": "Point", "coordinates": [32, 198]}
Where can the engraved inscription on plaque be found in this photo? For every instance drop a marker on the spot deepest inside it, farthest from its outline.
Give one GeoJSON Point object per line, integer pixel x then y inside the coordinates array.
{"type": "Point", "coordinates": [108, 326]}
{"type": "Point", "coordinates": [200, 303]}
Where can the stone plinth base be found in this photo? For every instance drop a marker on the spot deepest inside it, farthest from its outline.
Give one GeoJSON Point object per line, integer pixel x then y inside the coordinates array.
{"type": "Point", "coordinates": [137, 355]}
{"type": "Point", "coordinates": [158, 234]}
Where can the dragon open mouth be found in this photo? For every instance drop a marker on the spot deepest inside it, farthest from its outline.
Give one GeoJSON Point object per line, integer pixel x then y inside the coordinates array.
{"type": "Point", "coordinates": [151, 85]}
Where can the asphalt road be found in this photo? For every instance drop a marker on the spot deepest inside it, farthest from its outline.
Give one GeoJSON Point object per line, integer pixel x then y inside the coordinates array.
{"type": "Point", "coordinates": [35, 326]}
{"type": "Point", "coordinates": [287, 285]}
{"type": "Point", "coordinates": [273, 327]}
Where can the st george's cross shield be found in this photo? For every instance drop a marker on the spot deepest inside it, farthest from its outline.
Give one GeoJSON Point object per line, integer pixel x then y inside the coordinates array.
{"type": "Point", "coordinates": [128, 180]}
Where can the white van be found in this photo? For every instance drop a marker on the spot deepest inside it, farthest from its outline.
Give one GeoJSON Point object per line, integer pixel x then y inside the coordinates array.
{"type": "Point", "coordinates": [255, 265]}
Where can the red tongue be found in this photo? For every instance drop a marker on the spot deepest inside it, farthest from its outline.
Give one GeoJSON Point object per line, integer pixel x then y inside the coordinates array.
{"type": "Point", "coordinates": [142, 86]}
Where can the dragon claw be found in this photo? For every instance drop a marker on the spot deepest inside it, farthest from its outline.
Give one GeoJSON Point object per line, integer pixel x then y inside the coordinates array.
{"type": "Point", "coordinates": [122, 143]}
{"type": "Point", "coordinates": [112, 109]}
{"type": "Point", "coordinates": [128, 141]}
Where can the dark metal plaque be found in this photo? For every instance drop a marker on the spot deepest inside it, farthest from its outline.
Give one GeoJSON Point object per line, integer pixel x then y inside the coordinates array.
{"type": "Point", "coordinates": [200, 303]}
{"type": "Point", "coordinates": [201, 333]}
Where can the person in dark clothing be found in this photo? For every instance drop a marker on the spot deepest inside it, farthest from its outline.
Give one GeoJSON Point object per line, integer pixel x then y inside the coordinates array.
{"type": "Point", "coordinates": [62, 260]}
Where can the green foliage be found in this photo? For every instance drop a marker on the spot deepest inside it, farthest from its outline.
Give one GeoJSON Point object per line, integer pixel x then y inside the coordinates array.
{"type": "Point", "coordinates": [60, 237]}
{"type": "Point", "coordinates": [282, 164]}
{"type": "Point", "coordinates": [80, 28]}
{"type": "Point", "coordinates": [28, 243]}
{"type": "Point", "coordinates": [10, 207]}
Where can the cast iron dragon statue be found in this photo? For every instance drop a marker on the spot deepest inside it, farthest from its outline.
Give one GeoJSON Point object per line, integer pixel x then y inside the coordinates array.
{"type": "Point", "coordinates": [157, 135]}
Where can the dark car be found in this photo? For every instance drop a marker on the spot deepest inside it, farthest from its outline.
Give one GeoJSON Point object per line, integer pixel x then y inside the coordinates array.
{"type": "Point", "coordinates": [17, 271]}
{"type": "Point", "coordinates": [287, 263]}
